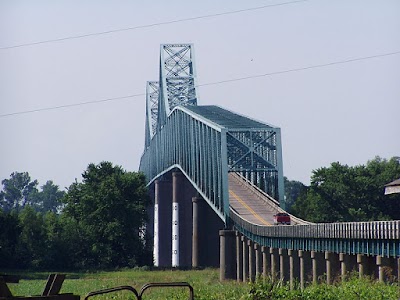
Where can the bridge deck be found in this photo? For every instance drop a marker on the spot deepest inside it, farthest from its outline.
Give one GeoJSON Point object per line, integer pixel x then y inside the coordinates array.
{"type": "Point", "coordinates": [251, 204]}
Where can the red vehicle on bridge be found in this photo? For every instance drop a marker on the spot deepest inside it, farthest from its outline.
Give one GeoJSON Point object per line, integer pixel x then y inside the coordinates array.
{"type": "Point", "coordinates": [282, 218]}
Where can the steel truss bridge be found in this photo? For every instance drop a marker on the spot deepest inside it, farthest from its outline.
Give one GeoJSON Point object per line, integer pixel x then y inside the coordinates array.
{"type": "Point", "coordinates": [234, 164]}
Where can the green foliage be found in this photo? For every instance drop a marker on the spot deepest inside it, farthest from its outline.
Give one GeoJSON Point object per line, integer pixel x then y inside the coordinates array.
{"type": "Point", "coordinates": [109, 208]}
{"type": "Point", "coordinates": [293, 189]}
{"type": "Point", "coordinates": [9, 233]}
{"type": "Point", "coordinates": [17, 191]}
{"type": "Point", "coordinates": [341, 193]}
{"type": "Point", "coordinates": [352, 289]}
{"type": "Point", "coordinates": [49, 198]}
{"type": "Point", "coordinates": [205, 283]}
{"type": "Point", "coordinates": [30, 243]}
{"type": "Point", "coordinates": [207, 286]}
{"type": "Point", "coordinates": [102, 225]}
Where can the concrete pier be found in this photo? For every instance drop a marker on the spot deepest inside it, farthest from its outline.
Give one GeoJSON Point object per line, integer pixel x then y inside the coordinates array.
{"type": "Point", "coordinates": [274, 263]}
{"type": "Point", "coordinates": [257, 251]}
{"type": "Point", "coordinates": [177, 195]}
{"type": "Point", "coordinates": [252, 271]}
{"type": "Point", "coordinates": [283, 264]}
{"type": "Point", "coordinates": [301, 269]}
{"type": "Point", "coordinates": [266, 259]}
{"type": "Point", "coordinates": [239, 257]}
{"type": "Point", "coordinates": [245, 259]}
{"type": "Point", "coordinates": [227, 256]}
{"type": "Point", "coordinates": [197, 203]}
{"type": "Point", "coordinates": [162, 227]}
{"type": "Point", "coordinates": [294, 267]}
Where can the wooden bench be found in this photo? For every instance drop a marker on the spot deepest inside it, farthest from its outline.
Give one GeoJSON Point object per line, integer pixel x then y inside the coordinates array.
{"type": "Point", "coordinates": [50, 292]}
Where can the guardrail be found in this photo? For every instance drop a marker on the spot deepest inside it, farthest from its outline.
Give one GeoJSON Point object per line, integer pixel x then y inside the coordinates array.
{"type": "Point", "coordinates": [369, 238]}
{"type": "Point", "coordinates": [388, 230]}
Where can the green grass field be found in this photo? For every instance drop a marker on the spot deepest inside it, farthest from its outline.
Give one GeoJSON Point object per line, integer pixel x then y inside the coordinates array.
{"type": "Point", "coordinates": [205, 283]}
{"type": "Point", "coordinates": [206, 286]}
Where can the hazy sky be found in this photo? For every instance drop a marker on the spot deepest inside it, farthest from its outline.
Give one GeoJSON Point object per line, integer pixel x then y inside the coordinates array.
{"type": "Point", "coordinates": [346, 112]}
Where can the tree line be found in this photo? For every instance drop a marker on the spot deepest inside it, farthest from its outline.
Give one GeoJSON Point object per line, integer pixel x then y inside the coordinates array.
{"type": "Point", "coordinates": [98, 223]}
{"type": "Point", "coordinates": [342, 193]}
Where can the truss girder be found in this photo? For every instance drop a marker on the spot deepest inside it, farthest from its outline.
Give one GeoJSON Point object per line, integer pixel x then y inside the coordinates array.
{"type": "Point", "coordinates": [152, 94]}
{"type": "Point", "coordinates": [205, 152]}
{"type": "Point", "coordinates": [177, 79]}
{"type": "Point", "coordinates": [254, 154]}
{"type": "Point", "coordinates": [197, 149]}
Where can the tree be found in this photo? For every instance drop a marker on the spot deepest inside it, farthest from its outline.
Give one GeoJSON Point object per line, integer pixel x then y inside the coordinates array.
{"type": "Point", "coordinates": [49, 198]}
{"type": "Point", "coordinates": [293, 189]}
{"type": "Point", "coordinates": [9, 234]}
{"type": "Point", "coordinates": [17, 191]}
{"type": "Point", "coordinates": [109, 207]}
{"type": "Point", "coordinates": [341, 193]}
{"type": "Point", "coordinates": [31, 242]}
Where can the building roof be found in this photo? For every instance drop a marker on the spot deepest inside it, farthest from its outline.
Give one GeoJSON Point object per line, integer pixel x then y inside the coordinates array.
{"type": "Point", "coordinates": [394, 183]}
{"type": "Point", "coordinates": [393, 187]}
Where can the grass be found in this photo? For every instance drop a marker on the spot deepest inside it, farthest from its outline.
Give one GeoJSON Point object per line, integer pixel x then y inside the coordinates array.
{"type": "Point", "coordinates": [205, 283]}
{"type": "Point", "coordinates": [206, 286]}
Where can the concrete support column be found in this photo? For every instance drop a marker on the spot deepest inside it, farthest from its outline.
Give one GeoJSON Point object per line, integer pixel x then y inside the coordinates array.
{"type": "Point", "coordinates": [265, 261]}
{"type": "Point", "coordinates": [328, 267]}
{"type": "Point", "coordinates": [361, 265]}
{"type": "Point", "coordinates": [196, 203]}
{"type": "Point", "coordinates": [227, 256]}
{"type": "Point", "coordinates": [343, 265]}
{"type": "Point", "coordinates": [332, 260]}
{"type": "Point", "coordinates": [257, 250]}
{"type": "Point", "coordinates": [302, 272]}
{"type": "Point", "coordinates": [291, 269]}
{"type": "Point", "coordinates": [283, 265]}
{"type": "Point", "coordinates": [387, 267]}
{"type": "Point", "coordinates": [398, 270]}
{"type": "Point", "coordinates": [239, 257]}
{"type": "Point", "coordinates": [162, 223]}
{"type": "Point", "coordinates": [252, 271]}
{"type": "Point", "coordinates": [177, 183]}
{"type": "Point", "coordinates": [156, 242]}
{"type": "Point", "coordinates": [379, 263]}
{"type": "Point", "coordinates": [245, 259]}
{"type": "Point", "coordinates": [209, 240]}
{"type": "Point", "coordinates": [314, 263]}
{"type": "Point", "coordinates": [318, 265]}
{"type": "Point", "coordinates": [294, 267]}
{"type": "Point", "coordinates": [274, 262]}
{"type": "Point", "coordinates": [380, 269]}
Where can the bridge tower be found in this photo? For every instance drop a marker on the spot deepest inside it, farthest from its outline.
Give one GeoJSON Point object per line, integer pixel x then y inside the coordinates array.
{"type": "Point", "coordinates": [205, 144]}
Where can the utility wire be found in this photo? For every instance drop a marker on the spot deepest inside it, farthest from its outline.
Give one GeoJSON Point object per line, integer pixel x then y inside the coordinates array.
{"type": "Point", "coordinates": [150, 25]}
{"type": "Point", "coordinates": [339, 62]}
{"type": "Point", "coordinates": [70, 105]}
{"type": "Point", "coordinates": [301, 69]}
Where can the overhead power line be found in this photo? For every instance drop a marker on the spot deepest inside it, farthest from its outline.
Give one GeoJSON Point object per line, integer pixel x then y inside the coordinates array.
{"type": "Point", "coordinates": [70, 105]}
{"type": "Point", "coordinates": [339, 62]}
{"type": "Point", "coordinates": [150, 25]}
{"type": "Point", "coordinates": [302, 68]}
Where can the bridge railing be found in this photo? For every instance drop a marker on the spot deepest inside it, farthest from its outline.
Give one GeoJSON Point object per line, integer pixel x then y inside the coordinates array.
{"type": "Point", "coordinates": [371, 238]}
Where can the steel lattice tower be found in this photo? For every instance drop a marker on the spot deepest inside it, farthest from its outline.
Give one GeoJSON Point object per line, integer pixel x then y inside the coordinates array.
{"type": "Point", "coordinates": [152, 94]}
{"type": "Point", "coordinates": [176, 86]}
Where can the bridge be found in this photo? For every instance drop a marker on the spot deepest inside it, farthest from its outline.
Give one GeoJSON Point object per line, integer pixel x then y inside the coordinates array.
{"type": "Point", "coordinates": [216, 180]}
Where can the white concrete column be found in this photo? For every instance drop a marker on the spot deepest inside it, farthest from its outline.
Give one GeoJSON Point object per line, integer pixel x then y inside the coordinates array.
{"type": "Point", "coordinates": [175, 234]}
{"type": "Point", "coordinates": [156, 250]}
